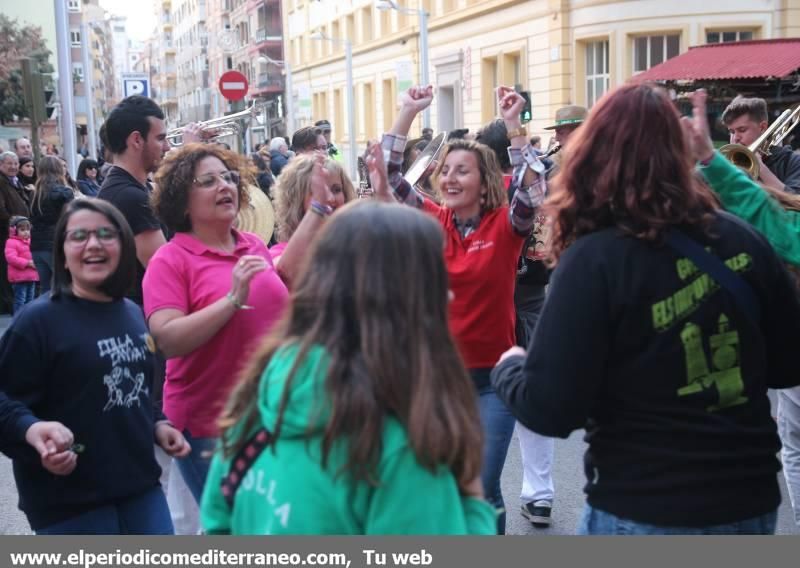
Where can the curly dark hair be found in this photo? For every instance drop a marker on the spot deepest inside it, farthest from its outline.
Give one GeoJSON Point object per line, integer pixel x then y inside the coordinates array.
{"type": "Point", "coordinates": [175, 178]}
{"type": "Point", "coordinates": [628, 166]}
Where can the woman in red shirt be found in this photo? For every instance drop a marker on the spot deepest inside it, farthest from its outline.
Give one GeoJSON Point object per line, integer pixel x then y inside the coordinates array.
{"type": "Point", "coordinates": [483, 235]}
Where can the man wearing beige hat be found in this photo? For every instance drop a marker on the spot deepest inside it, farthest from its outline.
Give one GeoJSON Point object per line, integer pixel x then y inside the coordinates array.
{"type": "Point", "coordinates": [568, 119]}
{"type": "Point", "coordinates": [537, 451]}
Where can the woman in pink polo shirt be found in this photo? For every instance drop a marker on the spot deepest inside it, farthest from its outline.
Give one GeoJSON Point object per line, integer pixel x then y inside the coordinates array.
{"type": "Point", "coordinates": [484, 235]}
{"type": "Point", "coordinates": [212, 291]}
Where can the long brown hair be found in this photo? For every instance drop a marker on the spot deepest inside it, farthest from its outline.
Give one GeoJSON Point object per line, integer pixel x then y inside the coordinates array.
{"type": "Point", "coordinates": [51, 173]}
{"type": "Point", "coordinates": [628, 166]}
{"type": "Point", "coordinates": [384, 327]}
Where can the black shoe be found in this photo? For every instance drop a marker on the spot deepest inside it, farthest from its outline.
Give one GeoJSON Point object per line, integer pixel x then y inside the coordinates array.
{"type": "Point", "coordinates": [538, 513]}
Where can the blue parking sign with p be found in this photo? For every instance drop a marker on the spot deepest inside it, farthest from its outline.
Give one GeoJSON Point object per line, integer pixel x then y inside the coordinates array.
{"type": "Point", "coordinates": [139, 86]}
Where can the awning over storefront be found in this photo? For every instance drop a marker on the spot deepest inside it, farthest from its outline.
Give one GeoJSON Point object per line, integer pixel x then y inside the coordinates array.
{"type": "Point", "coordinates": [760, 59]}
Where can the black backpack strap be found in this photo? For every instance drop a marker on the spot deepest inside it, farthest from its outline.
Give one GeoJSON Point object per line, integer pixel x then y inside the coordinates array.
{"type": "Point", "coordinates": [737, 286]}
{"type": "Point", "coordinates": [242, 462]}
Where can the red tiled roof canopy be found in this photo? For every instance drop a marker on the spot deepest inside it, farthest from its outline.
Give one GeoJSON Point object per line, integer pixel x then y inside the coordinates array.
{"type": "Point", "coordinates": [736, 60]}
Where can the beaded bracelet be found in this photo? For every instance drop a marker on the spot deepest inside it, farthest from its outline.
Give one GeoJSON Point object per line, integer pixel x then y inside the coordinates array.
{"type": "Point", "coordinates": [320, 209]}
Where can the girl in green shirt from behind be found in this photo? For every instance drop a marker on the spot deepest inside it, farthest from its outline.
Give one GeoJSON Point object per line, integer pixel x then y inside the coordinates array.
{"type": "Point", "coordinates": [361, 404]}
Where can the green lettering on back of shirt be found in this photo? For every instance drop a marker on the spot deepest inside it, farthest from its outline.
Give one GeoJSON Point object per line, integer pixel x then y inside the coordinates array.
{"type": "Point", "coordinates": [682, 303]}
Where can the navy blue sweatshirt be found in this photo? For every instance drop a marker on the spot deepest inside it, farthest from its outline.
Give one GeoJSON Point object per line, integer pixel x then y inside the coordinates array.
{"type": "Point", "coordinates": [88, 365]}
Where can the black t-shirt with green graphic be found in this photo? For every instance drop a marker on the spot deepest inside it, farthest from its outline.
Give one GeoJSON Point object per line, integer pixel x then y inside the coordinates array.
{"type": "Point", "coordinates": [665, 372]}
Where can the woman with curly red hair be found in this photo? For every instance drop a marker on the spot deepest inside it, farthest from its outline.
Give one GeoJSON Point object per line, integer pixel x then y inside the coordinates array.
{"type": "Point", "coordinates": [212, 291]}
{"type": "Point", "coordinates": [641, 342]}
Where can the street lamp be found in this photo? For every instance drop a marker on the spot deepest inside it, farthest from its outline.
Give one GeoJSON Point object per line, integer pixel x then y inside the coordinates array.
{"type": "Point", "coordinates": [88, 87]}
{"type": "Point", "coordinates": [65, 85]}
{"type": "Point", "coordinates": [423, 45]}
{"type": "Point", "coordinates": [266, 60]}
{"type": "Point", "coordinates": [351, 116]}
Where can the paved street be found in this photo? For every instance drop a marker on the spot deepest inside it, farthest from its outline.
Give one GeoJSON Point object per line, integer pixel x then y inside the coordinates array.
{"type": "Point", "coordinates": [568, 477]}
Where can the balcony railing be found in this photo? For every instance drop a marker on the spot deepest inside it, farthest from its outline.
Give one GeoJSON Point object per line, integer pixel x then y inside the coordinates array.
{"type": "Point", "coordinates": [267, 80]}
{"type": "Point", "coordinates": [265, 34]}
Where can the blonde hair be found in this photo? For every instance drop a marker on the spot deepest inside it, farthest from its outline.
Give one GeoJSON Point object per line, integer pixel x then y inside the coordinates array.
{"type": "Point", "coordinates": [348, 188]}
{"type": "Point", "coordinates": [491, 174]}
{"type": "Point", "coordinates": [294, 185]}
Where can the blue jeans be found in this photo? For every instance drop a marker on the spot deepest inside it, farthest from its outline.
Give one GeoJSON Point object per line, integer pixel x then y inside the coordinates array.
{"type": "Point", "coordinates": [146, 513]}
{"type": "Point", "coordinates": [43, 259]}
{"type": "Point", "coordinates": [194, 467]}
{"type": "Point", "coordinates": [596, 521]}
{"type": "Point", "coordinates": [24, 292]}
{"type": "Point", "coordinates": [498, 428]}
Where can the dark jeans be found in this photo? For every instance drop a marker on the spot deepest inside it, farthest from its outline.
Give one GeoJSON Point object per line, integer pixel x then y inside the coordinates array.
{"type": "Point", "coordinates": [194, 467]}
{"type": "Point", "coordinates": [596, 521]}
{"type": "Point", "coordinates": [498, 428]}
{"type": "Point", "coordinates": [146, 513]}
{"type": "Point", "coordinates": [24, 292]}
{"type": "Point", "coordinates": [43, 259]}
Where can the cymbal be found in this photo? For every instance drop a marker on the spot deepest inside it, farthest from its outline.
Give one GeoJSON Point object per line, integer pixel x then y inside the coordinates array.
{"type": "Point", "coordinates": [428, 155]}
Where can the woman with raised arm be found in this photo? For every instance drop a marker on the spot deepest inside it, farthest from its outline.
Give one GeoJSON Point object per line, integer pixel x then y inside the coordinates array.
{"type": "Point", "coordinates": [666, 322]}
{"type": "Point", "coordinates": [483, 236]}
{"type": "Point", "coordinates": [293, 196]}
{"type": "Point", "coordinates": [212, 291]}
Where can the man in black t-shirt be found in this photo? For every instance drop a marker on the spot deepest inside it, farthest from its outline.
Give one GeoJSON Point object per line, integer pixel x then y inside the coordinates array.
{"type": "Point", "coordinates": [136, 136]}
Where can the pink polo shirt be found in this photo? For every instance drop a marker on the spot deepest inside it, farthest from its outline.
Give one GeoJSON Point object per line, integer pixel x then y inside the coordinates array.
{"type": "Point", "coordinates": [186, 275]}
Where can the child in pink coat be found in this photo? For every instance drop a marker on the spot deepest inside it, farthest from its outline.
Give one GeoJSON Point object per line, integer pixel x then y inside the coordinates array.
{"type": "Point", "coordinates": [21, 271]}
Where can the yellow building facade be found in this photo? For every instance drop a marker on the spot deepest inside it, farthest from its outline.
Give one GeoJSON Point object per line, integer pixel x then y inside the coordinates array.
{"type": "Point", "coordinates": [561, 51]}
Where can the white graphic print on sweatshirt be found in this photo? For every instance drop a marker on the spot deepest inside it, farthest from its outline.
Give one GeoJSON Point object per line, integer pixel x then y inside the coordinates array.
{"type": "Point", "coordinates": [124, 387]}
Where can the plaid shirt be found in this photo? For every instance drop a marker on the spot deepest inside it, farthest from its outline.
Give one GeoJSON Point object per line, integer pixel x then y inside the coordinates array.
{"type": "Point", "coordinates": [523, 204]}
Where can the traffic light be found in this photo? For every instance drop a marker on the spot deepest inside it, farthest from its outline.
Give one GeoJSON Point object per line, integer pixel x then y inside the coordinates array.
{"type": "Point", "coordinates": [38, 100]}
{"type": "Point", "coordinates": [37, 104]}
{"type": "Point", "coordinates": [526, 114]}
{"type": "Point", "coordinates": [49, 103]}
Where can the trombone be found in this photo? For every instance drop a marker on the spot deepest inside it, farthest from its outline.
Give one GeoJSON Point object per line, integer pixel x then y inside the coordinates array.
{"type": "Point", "coordinates": [745, 156]}
{"type": "Point", "coordinates": [218, 127]}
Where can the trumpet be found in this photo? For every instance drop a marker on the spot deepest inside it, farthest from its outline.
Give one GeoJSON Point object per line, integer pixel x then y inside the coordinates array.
{"type": "Point", "coordinates": [219, 127]}
{"type": "Point", "coordinates": [745, 156]}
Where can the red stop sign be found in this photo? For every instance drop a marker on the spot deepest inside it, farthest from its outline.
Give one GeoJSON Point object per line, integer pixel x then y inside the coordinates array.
{"type": "Point", "coordinates": [233, 85]}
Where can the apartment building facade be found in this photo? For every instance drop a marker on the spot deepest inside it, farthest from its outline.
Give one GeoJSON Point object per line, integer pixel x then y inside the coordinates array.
{"type": "Point", "coordinates": [100, 74]}
{"type": "Point", "coordinates": [246, 35]}
{"type": "Point", "coordinates": [191, 43]}
{"type": "Point", "coordinates": [163, 64]}
{"type": "Point", "coordinates": [561, 51]}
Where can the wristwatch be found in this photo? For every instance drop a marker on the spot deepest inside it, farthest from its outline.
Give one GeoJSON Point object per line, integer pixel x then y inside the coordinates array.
{"type": "Point", "coordinates": [514, 132]}
{"type": "Point", "coordinates": [532, 159]}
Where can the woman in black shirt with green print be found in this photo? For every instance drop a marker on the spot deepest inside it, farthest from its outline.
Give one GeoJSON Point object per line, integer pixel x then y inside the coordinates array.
{"type": "Point", "coordinates": [666, 369]}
